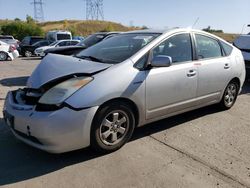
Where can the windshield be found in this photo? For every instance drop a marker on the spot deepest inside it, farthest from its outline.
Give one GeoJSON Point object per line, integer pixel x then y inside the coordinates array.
{"type": "Point", "coordinates": [92, 39]}
{"type": "Point", "coordinates": [118, 48]}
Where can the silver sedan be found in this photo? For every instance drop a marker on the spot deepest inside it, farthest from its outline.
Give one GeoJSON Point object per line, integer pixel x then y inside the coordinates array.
{"type": "Point", "coordinates": [99, 97]}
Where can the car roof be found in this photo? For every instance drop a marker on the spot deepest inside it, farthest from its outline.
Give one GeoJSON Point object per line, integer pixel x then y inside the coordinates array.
{"type": "Point", "coordinates": [6, 36]}
{"type": "Point", "coordinates": [67, 40]}
{"type": "Point", "coordinates": [107, 33]}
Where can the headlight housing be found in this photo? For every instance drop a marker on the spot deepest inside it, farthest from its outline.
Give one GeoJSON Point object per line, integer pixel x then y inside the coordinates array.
{"type": "Point", "coordinates": [59, 93]}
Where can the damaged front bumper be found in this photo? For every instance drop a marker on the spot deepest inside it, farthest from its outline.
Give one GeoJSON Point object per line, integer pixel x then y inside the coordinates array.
{"type": "Point", "coordinates": [57, 131]}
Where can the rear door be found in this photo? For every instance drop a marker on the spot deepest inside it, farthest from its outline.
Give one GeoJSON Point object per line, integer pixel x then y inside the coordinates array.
{"type": "Point", "coordinates": [213, 67]}
{"type": "Point", "coordinates": [172, 89]}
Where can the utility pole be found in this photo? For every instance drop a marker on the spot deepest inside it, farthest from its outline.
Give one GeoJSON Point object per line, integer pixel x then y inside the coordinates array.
{"type": "Point", "coordinates": [94, 10]}
{"type": "Point", "coordinates": [38, 10]}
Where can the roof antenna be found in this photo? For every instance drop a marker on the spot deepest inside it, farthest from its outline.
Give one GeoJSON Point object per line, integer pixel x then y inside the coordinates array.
{"type": "Point", "coordinates": [196, 21]}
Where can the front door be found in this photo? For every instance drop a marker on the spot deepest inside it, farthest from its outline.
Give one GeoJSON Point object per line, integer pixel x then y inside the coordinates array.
{"type": "Point", "coordinates": [172, 89]}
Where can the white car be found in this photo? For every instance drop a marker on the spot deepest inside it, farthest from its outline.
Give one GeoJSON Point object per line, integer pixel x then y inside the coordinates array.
{"type": "Point", "coordinates": [7, 52]}
{"type": "Point", "coordinates": [40, 51]}
{"type": "Point", "coordinates": [9, 40]}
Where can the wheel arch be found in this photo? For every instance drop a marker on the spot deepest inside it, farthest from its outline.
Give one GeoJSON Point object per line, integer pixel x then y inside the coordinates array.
{"type": "Point", "coordinates": [131, 103]}
{"type": "Point", "coordinates": [237, 80]}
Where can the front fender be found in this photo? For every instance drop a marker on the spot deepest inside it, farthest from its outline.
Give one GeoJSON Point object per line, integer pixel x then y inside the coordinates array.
{"type": "Point", "coordinates": [119, 81]}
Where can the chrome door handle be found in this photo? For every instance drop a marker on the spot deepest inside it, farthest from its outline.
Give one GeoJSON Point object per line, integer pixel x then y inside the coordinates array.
{"type": "Point", "coordinates": [191, 73]}
{"type": "Point", "coordinates": [227, 66]}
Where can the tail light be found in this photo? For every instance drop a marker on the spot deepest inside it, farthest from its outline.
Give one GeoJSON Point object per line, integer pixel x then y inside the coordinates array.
{"type": "Point", "coordinates": [12, 48]}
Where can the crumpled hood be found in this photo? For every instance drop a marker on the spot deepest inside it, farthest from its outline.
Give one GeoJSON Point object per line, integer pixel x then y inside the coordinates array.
{"type": "Point", "coordinates": [55, 66]}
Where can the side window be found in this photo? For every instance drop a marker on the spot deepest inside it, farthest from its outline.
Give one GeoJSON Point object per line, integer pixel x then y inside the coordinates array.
{"type": "Point", "coordinates": [178, 47]}
{"type": "Point", "coordinates": [207, 47]}
{"type": "Point", "coordinates": [68, 43]}
{"type": "Point", "coordinates": [64, 43]}
{"type": "Point", "coordinates": [142, 62]}
{"type": "Point", "coordinates": [25, 40]}
{"type": "Point", "coordinates": [74, 43]}
{"type": "Point", "coordinates": [227, 48]}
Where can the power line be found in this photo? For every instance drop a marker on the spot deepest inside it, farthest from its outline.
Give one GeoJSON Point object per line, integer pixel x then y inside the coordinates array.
{"type": "Point", "coordinates": [94, 10]}
{"type": "Point", "coordinates": [38, 10]}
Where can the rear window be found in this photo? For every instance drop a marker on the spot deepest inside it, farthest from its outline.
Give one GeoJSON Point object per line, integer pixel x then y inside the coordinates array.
{"type": "Point", "coordinates": [63, 36]}
{"type": "Point", "coordinates": [6, 37]}
{"type": "Point", "coordinates": [227, 48]}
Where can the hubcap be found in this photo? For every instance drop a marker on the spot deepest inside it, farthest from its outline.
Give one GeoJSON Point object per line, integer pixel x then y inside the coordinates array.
{"type": "Point", "coordinates": [28, 54]}
{"type": "Point", "coordinates": [230, 95]}
{"type": "Point", "coordinates": [114, 127]}
{"type": "Point", "coordinates": [2, 56]}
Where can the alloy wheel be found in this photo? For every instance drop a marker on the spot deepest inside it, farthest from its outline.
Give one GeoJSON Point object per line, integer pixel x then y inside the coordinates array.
{"type": "Point", "coordinates": [230, 95]}
{"type": "Point", "coordinates": [114, 127]}
{"type": "Point", "coordinates": [28, 54]}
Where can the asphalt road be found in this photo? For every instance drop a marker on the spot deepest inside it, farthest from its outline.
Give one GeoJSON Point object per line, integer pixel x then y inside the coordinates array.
{"type": "Point", "coordinates": [202, 148]}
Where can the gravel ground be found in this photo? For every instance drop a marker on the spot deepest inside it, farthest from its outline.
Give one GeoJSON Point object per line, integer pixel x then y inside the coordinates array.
{"type": "Point", "coordinates": [202, 148]}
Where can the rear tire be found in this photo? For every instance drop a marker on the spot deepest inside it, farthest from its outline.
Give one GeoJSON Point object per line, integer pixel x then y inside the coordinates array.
{"type": "Point", "coordinates": [230, 95]}
{"type": "Point", "coordinates": [27, 53]}
{"type": "Point", "coordinates": [3, 56]}
{"type": "Point", "coordinates": [112, 127]}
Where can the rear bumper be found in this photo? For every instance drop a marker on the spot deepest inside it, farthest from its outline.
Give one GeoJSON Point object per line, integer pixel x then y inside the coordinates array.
{"type": "Point", "coordinates": [13, 55]}
{"type": "Point", "coordinates": [55, 132]}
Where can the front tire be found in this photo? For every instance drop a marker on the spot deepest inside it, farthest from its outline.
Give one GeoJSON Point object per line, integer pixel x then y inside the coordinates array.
{"type": "Point", "coordinates": [230, 95]}
{"type": "Point", "coordinates": [112, 127]}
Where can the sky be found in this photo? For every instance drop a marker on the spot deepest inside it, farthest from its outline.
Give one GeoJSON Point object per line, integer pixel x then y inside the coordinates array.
{"type": "Point", "coordinates": [228, 15]}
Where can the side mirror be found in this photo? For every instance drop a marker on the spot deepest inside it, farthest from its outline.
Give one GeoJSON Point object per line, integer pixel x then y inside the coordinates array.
{"type": "Point", "coordinates": [161, 61]}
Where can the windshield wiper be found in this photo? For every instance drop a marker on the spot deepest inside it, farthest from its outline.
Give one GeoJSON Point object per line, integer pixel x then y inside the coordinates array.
{"type": "Point", "coordinates": [92, 58]}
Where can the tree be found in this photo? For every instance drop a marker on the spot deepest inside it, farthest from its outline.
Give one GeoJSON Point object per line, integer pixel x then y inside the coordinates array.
{"type": "Point", "coordinates": [17, 19]}
{"type": "Point", "coordinates": [208, 29]}
{"type": "Point", "coordinates": [21, 29]}
{"type": "Point", "coordinates": [30, 20]}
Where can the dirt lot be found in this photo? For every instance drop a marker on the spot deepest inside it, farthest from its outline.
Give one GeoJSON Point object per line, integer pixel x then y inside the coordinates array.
{"type": "Point", "coordinates": [203, 148]}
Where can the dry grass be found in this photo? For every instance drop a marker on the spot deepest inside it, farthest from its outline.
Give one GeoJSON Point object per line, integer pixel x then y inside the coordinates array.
{"type": "Point", "coordinates": [84, 28]}
{"type": "Point", "coordinates": [227, 36]}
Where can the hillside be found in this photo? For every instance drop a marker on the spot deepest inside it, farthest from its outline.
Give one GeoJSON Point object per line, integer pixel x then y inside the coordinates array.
{"type": "Point", "coordinates": [227, 36]}
{"type": "Point", "coordinates": [84, 28]}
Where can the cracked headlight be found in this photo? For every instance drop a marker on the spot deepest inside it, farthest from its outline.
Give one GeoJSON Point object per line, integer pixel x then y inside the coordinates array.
{"type": "Point", "coordinates": [59, 93]}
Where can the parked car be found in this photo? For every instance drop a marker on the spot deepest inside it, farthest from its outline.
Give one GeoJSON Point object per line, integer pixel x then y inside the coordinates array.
{"type": "Point", "coordinates": [243, 43]}
{"type": "Point", "coordinates": [58, 35]}
{"type": "Point", "coordinates": [40, 51]}
{"type": "Point", "coordinates": [8, 39]}
{"type": "Point", "coordinates": [78, 38]}
{"type": "Point", "coordinates": [28, 41]}
{"type": "Point", "coordinates": [29, 50]}
{"type": "Point", "coordinates": [100, 96]}
{"type": "Point", "coordinates": [7, 52]}
{"type": "Point", "coordinates": [89, 41]}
